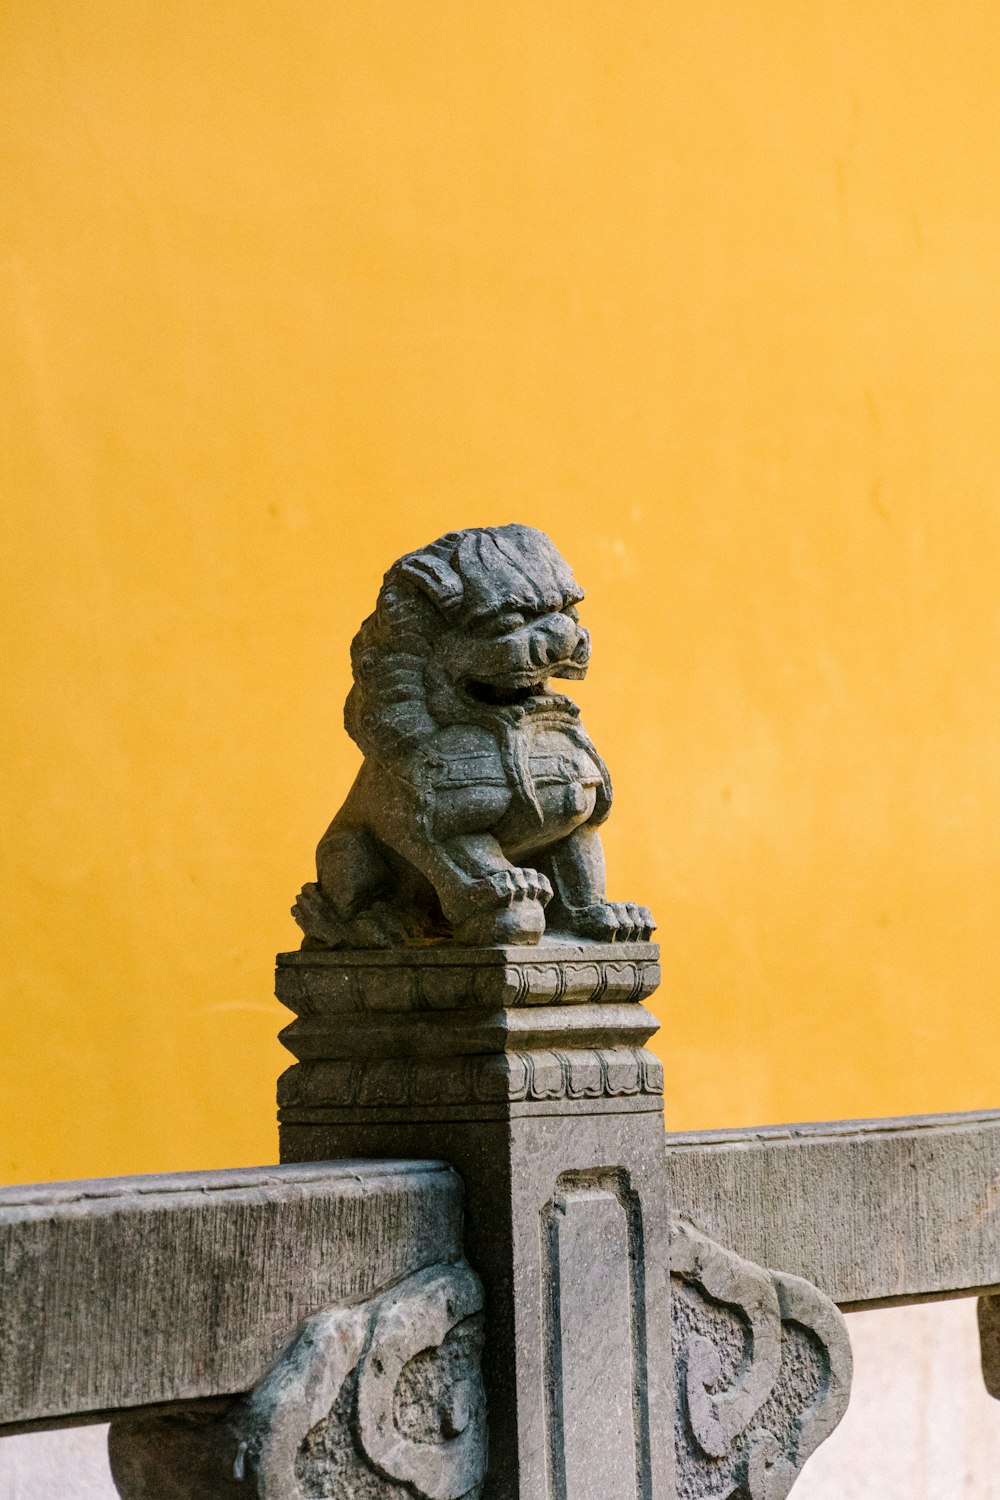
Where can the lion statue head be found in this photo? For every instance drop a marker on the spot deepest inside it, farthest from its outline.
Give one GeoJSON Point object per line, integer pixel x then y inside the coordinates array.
{"type": "Point", "coordinates": [478, 619]}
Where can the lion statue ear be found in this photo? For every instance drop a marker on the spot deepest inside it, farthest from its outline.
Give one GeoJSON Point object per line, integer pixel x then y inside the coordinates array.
{"type": "Point", "coordinates": [432, 572]}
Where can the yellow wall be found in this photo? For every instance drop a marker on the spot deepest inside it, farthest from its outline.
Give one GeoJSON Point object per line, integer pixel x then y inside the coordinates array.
{"type": "Point", "coordinates": [709, 291]}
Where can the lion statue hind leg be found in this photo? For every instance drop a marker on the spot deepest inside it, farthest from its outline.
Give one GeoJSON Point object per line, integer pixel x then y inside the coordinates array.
{"type": "Point", "coordinates": [360, 899]}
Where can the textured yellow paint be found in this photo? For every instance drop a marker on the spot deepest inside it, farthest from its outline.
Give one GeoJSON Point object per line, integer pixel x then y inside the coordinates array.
{"type": "Point", "coordinates": [711, 293]}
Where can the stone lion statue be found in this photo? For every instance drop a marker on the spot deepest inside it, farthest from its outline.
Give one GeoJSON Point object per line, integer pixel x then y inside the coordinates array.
{"type": "Point", "coordinates": [475, 815]}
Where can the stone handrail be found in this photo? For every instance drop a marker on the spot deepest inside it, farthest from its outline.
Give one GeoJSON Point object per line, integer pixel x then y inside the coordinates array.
{"type": "Point", "coordinates": [875, 1212]}
{"type": "Point", "coordinates": [650, 1323]}
{"type": "Point", "coordinates": [138, 1291]}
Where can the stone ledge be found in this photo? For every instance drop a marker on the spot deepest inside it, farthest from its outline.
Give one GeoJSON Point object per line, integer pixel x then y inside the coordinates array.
{"type": "Point", "coordinates": [446, 977]}
{"type": "Point", "coordinates": [399, 1035]}
{"type": "Point", "coordinates": [309, 1122]}
{"type": "Point", "coordinates": [514, 1077]}
{"type": "Point", "coordinates": [886, 1211]}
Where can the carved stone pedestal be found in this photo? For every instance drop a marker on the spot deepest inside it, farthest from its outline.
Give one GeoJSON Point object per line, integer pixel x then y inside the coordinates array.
{"type": "Point", "coordinates": [524, 1067]}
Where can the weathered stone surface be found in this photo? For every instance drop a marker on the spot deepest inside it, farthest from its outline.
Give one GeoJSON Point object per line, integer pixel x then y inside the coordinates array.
{"type": "Point", "coordinates": [539, 1089]}
{"type": "Point", "coordinates": [763, 1372]}
{"type": "Point", "coordinates": [381, 1400]}
{"type": "Point", "coordinates": [872, 1211]}
{"type": "Point", "coordinates": [545, 1099]}
{"type": "Point", "coordinates": [480, 797]}
{"type": "Point", "coordinates": [133, 1291]}
{"type": "Point", "coordinates": [593, 1242]}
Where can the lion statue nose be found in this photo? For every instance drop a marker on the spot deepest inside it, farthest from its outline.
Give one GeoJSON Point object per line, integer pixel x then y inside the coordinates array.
{"type": "Point", "coordinates": [581, 652]}
{"type": "Point", "coordinates": [564, 641]}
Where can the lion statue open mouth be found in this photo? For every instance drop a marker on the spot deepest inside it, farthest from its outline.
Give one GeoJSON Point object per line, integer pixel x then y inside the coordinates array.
{"type": "Point", "coordinates": [475, 815]}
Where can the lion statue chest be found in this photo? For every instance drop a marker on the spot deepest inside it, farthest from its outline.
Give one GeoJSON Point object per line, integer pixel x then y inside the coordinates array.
{"type": "Point", "coordinates": [529, 782]}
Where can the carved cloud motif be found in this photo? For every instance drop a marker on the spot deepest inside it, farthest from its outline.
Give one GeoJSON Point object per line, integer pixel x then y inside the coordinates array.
{"type": "Point", "coordinates": [378, 1401]}
{"type": "Point", "coordinates": [391, 1387]}
{"type": "Point", "coordinates": [763, 1371]}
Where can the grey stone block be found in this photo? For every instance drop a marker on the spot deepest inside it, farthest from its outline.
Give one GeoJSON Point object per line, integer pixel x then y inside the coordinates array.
{"type": "Point", "coordinates": [872, 1211]}
{"type": "Point", "coordinates": [133, 1291]}
{"type": "Point", "coordinates": [988, 1317]}
{"type": "Point", "coordinates": [513, 1033]}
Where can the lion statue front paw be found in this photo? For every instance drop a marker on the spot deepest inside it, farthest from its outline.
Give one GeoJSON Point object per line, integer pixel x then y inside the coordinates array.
{"type": "Point", "coordinates": [508, 907]}
{"type": "Point", "coordinates": [507, 887]}
{"type": "Point", "coordinates": [614, 922]}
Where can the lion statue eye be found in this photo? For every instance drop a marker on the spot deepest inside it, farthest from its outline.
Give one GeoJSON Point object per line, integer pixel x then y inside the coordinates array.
{"type": "Point", "coordinates": [510, 619]}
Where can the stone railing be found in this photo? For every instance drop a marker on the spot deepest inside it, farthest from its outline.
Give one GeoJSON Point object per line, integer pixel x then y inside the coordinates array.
{"type": "Point", "coordinates": [586, 1315]}
{"type": "Point", "coordinates": [155, 1303]}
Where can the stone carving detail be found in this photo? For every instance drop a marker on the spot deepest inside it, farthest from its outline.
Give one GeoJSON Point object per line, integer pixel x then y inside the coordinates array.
{"type": "Point", "coordinates": [594, 1073]}
{"type": "Point", "coordinates": [763, 1372]}
{"type": "Point", "coordinates": [315, 984]}
{"type": "Point", "coordinates": [536, 1037]}
{"type": "Point", "coordinates": [380, 1401]}
{"type": "Point", "coordinates": [480, 797]}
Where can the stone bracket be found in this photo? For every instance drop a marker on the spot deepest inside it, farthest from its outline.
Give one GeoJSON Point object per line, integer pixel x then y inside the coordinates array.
{"type": "Point", "coordinates": [382, 1400]}
{"type": "Point", "coordinates": [762, 1364]}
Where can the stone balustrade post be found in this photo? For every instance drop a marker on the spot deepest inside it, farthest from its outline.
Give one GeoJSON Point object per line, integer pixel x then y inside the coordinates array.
{"type": "Point", "coordinates": [526, 1068]}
